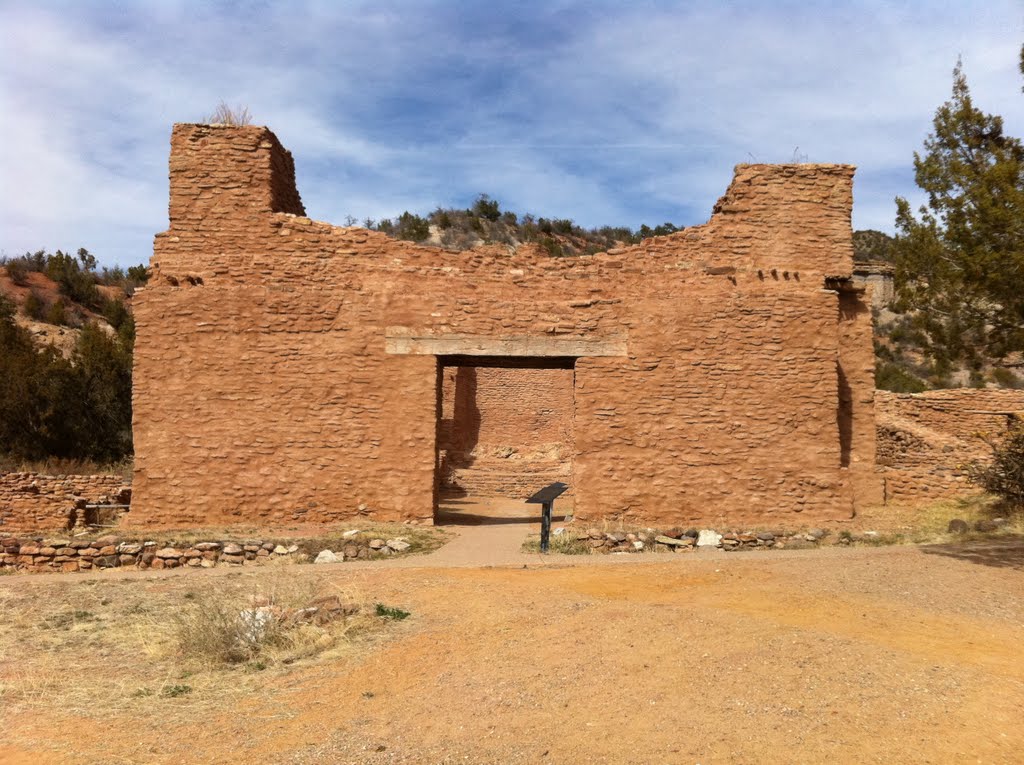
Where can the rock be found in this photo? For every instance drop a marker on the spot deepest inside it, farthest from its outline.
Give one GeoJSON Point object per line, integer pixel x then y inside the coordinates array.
{"type": "Point", "coordinates": [1000, 522]}
{"type": "Point", "coordinates": [958, 526]}
{"type": "Point", "coordinates": [108, 541]}
{"type": "Point", "coordinates": [127, 560]}
{"type": "Point", "coordinates": [667, 540]}
{"type": "Point", "coordinates": [692, 533]}
{"type": "Point", "coordinates": [708, 538]}
{"type": "Point", "coordinates": [398, 545]}
{"type": "Point", "coordinates": [638, 545]}
{"type": "Point", "coordinates": [675, 533]}
{"type": "Point", "coordinates": [766, 536]}
{"type": "Point", "coordinates": [817, 534]}
{"type": "Point", "coordinates": [232, 549]}
{"type": "Point", "coordinates": [236, 558]}
{"type": "Point", "coordinates": [129, 548]}
{"type": "Point", "coordinates": [326, 556]}
{"type": "Point", "coordinates": [350, 533]}
{"type": "Point", "coordinates": [350, 552]}
{"type": "Point", "coordinates": [376, 544]}
{"type": "Point", "coordinates": [985, 526]}
{"type": "Point", "coordinates": [292, 549]}
{"type": "Point", "coordinates": [252, 547]}
{"type": "Point", "coordinates": [617, 536]}
{"type": "Point", "coordinates": [169, 552]}
{"type": "Point", "coordinates": [207, 546]}
{"type": "Point", "coordinates": [280, 550]}
{"type": "Point", "coordinates": [193, 553]}
{"type": "Point", "coordinates": [559, 531]}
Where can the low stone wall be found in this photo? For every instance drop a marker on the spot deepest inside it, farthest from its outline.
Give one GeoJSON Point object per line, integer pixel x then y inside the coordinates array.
{"type": "Point", "coordinates": [678, 540]}
{"type": "Point", "coordinates": [37, 502]}
{"type": "Point", "coordinates": [38, 554]}
{"type": "Point", "coordinates": [926, 440]}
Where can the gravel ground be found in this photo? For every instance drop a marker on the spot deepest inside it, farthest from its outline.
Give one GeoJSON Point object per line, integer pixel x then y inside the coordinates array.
{"type": "Point", "coordinates": [873, 655]}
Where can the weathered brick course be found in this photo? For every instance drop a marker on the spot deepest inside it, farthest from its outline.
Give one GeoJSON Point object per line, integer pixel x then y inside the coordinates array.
{"type": "Point", "coordinates": [38, 502]}
{"type": "Point", "coordinates": [280, 373]}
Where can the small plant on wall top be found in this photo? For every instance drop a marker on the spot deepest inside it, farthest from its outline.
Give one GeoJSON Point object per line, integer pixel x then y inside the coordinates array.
{"type": "Point", "coordinates": [229, 115]}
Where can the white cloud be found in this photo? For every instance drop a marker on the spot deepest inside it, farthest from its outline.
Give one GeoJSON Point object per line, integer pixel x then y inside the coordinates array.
{"type": "Point", "coordinates": [601, 113]}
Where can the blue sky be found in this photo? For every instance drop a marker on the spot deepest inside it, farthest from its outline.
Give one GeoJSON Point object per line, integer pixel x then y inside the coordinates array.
{"type": "Point", "coordinates": [607, 113]}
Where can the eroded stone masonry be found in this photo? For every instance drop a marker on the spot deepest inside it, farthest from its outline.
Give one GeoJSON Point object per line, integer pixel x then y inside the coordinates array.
{"type": "Point", "coordinates": [291, 371]}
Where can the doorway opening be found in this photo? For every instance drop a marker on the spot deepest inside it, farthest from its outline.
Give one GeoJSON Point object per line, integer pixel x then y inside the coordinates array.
{"type": "Point", "coordinates": [504, 430]}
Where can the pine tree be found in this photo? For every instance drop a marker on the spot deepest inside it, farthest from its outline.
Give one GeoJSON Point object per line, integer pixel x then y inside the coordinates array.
{"type": "Point", "coordinates": [960, 265]}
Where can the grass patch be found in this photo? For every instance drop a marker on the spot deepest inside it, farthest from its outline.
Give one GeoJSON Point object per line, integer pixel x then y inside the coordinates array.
{"type": "Point", "coordinates": [390, 612]}
{"type": "Point", "coordinates": [562, 544]}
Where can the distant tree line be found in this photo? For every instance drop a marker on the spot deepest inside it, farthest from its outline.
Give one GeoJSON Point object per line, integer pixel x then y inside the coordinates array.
{"type": "Point", "coordinates": [486, 223]}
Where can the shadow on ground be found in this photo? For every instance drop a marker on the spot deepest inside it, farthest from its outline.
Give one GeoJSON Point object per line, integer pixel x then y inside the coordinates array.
{"type": "Point", "coordinates": [1005, 552]}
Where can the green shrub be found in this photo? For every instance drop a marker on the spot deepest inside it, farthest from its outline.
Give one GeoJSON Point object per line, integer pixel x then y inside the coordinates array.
{"type": "Point", "coordinates": [891, 377]}
{"type": "Point", "coordinates": [1004, 475]}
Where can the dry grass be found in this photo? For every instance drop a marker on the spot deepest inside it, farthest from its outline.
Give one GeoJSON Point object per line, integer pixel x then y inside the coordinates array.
{"type": "Point", "coordinates": [62, 466]}
{"type": "Point", "coordinates": [94, 647]}
{"type": "Point", "coordinates": [229, 115]}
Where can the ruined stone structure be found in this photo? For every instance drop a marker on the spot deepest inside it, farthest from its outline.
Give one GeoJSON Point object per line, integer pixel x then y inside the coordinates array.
{"type": "Point", "coordinates": [927, 440]}
{"type": "Point", "coordinates": [288, 370]}
{"type": "Point", "coordinates": [32, 501]}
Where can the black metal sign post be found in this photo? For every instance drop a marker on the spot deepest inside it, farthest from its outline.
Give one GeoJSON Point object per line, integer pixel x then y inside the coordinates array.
{"type": "Point", "coordinates": [546, 498]}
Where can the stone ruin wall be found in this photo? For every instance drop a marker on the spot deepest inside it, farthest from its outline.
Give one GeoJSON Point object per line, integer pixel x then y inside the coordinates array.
{"type": "Point", "coordinates": [34, 501]}
{"type": "Point", "coordinates": [926, 439]}
{"type": "Point", "coordinates": [285, 369]}
{"type": "Point", "coordinates": [505, 432]}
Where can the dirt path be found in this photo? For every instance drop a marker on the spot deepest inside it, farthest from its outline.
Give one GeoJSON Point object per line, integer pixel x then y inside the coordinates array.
{"type": "Point", "coordinates": [866, 655]}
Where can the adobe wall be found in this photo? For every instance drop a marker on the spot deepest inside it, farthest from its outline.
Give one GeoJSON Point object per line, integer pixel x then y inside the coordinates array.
{"type": "Point", "coordinates": [286, 370]}
{"type": "Point", "coordinates": [505, 432]}
{"type": "Point", "coordinates": [38, 502]}
{"type": "Point", "coordinates": [925, 440]}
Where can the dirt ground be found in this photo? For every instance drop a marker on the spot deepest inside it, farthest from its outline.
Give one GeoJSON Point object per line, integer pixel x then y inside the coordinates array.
{"type": "Point", "coordinates": [879, 655]}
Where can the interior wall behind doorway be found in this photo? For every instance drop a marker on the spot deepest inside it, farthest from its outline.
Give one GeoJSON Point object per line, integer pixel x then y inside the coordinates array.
{"type": "Point", "coordinates": [504, 432]}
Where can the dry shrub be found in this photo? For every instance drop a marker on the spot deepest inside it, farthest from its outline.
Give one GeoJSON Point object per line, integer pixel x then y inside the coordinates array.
{"type": "Point", "coordinates": [284, 625]}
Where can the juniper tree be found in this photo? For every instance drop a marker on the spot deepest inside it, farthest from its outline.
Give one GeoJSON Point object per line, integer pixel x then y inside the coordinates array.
{"type": "Point", "coordinates": [960, 264]}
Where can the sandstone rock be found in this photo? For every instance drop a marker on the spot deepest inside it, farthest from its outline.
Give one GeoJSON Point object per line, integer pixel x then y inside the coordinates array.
{"type": "Point", "coordinates": [667, 540]}
{"type": "Point", "coordinates": [108, 550]}
{"type": "Point", "coordinates": [251, 547]}
{"type": "Point", "coordinates": [206, 563]}
{"type": "Point", "coordinates": [398, 545]}
{"type": "Point", "coordinates": [263, 553]}
{"type": "Point", "coordinates": [168, 553]}
{"type": "Point", "coordinates": [55, 542]}
{"type": "Point", "coordinates": [817, 534]}
{"type": "Point", "coordinates": [47, 551]}
{"type": "Point", "coordinates": [107, 541]}
{"type": "Point", "coordinates": [958, 526]}
{"type": "Point", "coordinates": [350, 533]}
{"type": "Point", "coordinates": [326, 556]}
{"type": "Point", "coordinates": [638, 545]}
{"type": "Point", "coordinates": [232, 549]}
{"type": "Point", "coordinates": [292, 549]}
{"type": "Point", "coordinates": [193, 553]}
{"type": "Point", "coordinates": [234, 558]}
{"type": "Point", "coordinates": [351, 552]}
{"type": "Point", "coordinates": [280, 550]}
{"type": "Point", "coordinates": [376, 544]}
{"type": "Point", "coordinates": [170, 562]}
{"type": "Point", "coordinates": [126, 560]}
{"type": "Point", "coordinates": [129, 548]}
{"type": "Point", "coordinates": [708, 538]}
{"type": "Point", "coordinates": [766, 536]}
{"type": "Point", "coordinates": [207, 546]}
{"type": "Point", "coordinates": [269, 546]}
